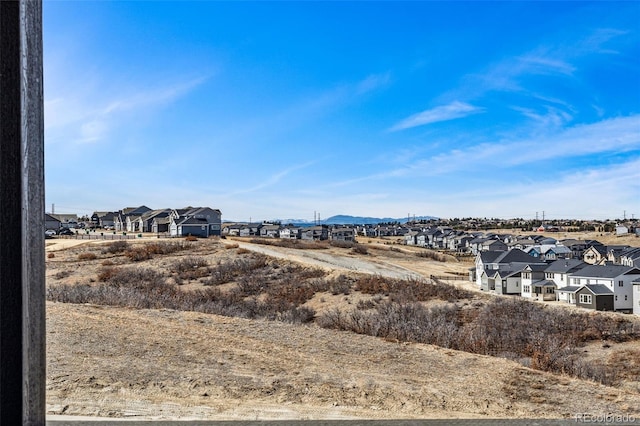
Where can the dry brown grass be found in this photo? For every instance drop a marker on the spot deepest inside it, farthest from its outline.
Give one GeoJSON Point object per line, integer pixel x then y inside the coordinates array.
{"type": "Point", "coordinates": [255, 286]}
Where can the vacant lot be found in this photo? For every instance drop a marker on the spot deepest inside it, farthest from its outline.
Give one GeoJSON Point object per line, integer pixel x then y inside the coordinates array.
{"type": "Point", "coordinates": [214, 329]}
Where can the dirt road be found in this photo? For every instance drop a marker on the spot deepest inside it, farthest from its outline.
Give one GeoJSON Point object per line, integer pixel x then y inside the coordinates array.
{"type": "Point", "coordinates": [328, 259]}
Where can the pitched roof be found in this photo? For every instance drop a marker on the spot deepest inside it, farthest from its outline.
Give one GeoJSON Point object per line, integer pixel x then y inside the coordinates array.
{"type": "Point", "coordinates": [598, 289]}
{"type": "Point", "coordinates": [193, 221]}
{"type": "Point", "coordinates": [565, 265]}
{"type": "Point", "coordinates": [537, 267]}
{"type": "Point", "coordinates": [513, 255]}
{"type": "Point", "coordinates": [543, 283]}
{"type": "Point", "coordinates": [569, 289]}
{"type": "Point", "coordinates": [631, 252]}
{"type": "Point", "coordinates": [605, 271]}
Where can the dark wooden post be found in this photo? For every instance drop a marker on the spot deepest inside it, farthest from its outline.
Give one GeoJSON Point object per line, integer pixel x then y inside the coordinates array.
{"type": "Point", "coordinates": [22, 292]}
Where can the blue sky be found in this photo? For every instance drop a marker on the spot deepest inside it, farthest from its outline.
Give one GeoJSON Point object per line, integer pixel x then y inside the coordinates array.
{"type": "Point", "coordinates": [279, 109]}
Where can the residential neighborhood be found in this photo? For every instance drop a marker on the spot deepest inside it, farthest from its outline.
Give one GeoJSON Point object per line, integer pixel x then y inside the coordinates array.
{"type": "Point", "coordinates": [584, 273]}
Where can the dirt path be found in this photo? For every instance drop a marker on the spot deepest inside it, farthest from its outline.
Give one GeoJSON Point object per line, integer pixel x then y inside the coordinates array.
{"type": "Point", "coordinates": [330, 260]}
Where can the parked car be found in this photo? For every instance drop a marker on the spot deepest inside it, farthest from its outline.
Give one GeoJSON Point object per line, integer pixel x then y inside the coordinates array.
{"type": "Point", "coordinates": [49, 233]}
{"type": "Point", "coordinates": [67, 231]}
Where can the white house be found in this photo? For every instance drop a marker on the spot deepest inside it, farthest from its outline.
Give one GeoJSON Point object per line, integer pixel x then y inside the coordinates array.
{"type": "Point", "coordinates": [617, 278]}
{"type": "Point", "coordinates": [534, 284]}
{"type": "Point", "coordinates": [636, 296]}
{"type": "Point", "coordinates": [559, 272]}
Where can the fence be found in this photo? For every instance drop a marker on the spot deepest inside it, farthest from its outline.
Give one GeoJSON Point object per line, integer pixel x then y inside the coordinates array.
{"type": "Point", "coordinates": [449, 278]}
{"type": "Point", "coordinates": [101, 236]}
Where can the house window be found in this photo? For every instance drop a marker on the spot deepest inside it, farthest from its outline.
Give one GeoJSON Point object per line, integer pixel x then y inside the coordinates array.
{"type": "Point", "coordinates": [526, 289]}
{"type": "Point", "coordinates": [549, 290]}
{"type": "Point", "coordinates": [620, 283]}
{"type": "Point", "coordinates": [616, 297]}
{"type": "Point", "coordinates": [625, 297]}
{"type": "Point", "coordinates": [585, 298]}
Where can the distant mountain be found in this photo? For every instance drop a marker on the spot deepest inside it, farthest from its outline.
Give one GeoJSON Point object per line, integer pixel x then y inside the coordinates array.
{"type": "Point", "coordinates": [349, 220]}
{"type": "Point", "coordinates": [359, 220]}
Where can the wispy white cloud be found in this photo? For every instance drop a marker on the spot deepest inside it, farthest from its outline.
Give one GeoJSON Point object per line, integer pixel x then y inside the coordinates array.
{"type": "Point", "coordinates": [507, 75]}
{"type": "Point", "coordinates": [552, 118]}
{"type": "Point", "coordinates": [84, 116]}
{"type": "Point", "coordinates": [613, 135]}
{"type": "Point", "coordinates": [543, 63]}
{"type": "Point", "coordinates": [441, 113]}
{"type": "Point", "coordinates": [588, 194]}
{"type": "Point", "coordinates": [372, 82]}
{"type": "Point", "coordinates": [152, 97]}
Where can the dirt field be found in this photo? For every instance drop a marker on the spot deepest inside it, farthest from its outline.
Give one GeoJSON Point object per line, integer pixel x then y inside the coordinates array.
{"type": "Point", "coordinates": [165, 364]}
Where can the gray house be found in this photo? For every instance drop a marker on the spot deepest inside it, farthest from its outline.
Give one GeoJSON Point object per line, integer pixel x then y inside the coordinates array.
{"type": "Point", "coordinates": [489, 261]}
{"type": "Point", "coordinates": [595, 296]}
{"type": "Point", "coordinates": [270, 231]}
{"type": "Point", "coordinates": [617, 278]}
{"type": "Point", "coordinates": [343, 234]}
{"type": "Point", "coordinates": [51, 222]}
{"type": "Point", "coordinates": [318, 232]}
{"type": "Point", "coordinates": [195, 221]}
{"type": "Point", "coordinates": [146, 220]}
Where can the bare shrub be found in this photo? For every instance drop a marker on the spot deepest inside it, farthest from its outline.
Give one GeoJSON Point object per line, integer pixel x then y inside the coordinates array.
{"type": "Point", "coordinates": [51, 255]}
{"type": "Point", "coordinates": [243, 251]}
{"type": "Point", "coordinates": [409, 289]}
{"type": "Point", "coordinates": [319, 285]}
{"type": "Point", "coordinates": [289, 292]}
{"type": "Point", "coordinates": [366, 304]}
{"type": "Point", "coordinates": [87, 256]}
{"type": "Point", "coordinates": [189, 263]}
{"type": "Point", "coordinates": [360, 249]}
{"type": "Point", "coordinates": [228, 271]}
{"type": "Point", "coordinates": [191, 238]}
{"type": "Point", "coordinates": [542, 338]}
{"type": "Point", "coordinates": [292, 243]}
{"type": "Point", "coordinates": [434, 255]}
{"type": "Point", "coordinates": [251, 284]}
{"type": "Point", "coordinates": [106, 273]}
{"type": "Point", "coordinates": [373, 284]}
{"type": "Point", "coordinates": [107, 262]}
{"type": "Point", "coordinates": [331, 319]}
{"type": "Point", "coordinates": [137, 254]}
{"type": "Point", "coordinates": [145, 288]}
{"type": "Point", "coordinates": [342, 244]}
{"type": "Point", "coordinates": [340, 285]}
{"type": "Point", "coordinates": [231, 246]}
{"type": "Point", "coordinates": [165, 247]}
{"type": "Point", "coordinates": [189, 268]}
{"type": "Point", "coordinates": [63, 274]}
{"type": "Point", "coordinates": [297, 315]}
{"type": "Point", "coordinates": [115, 247]}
